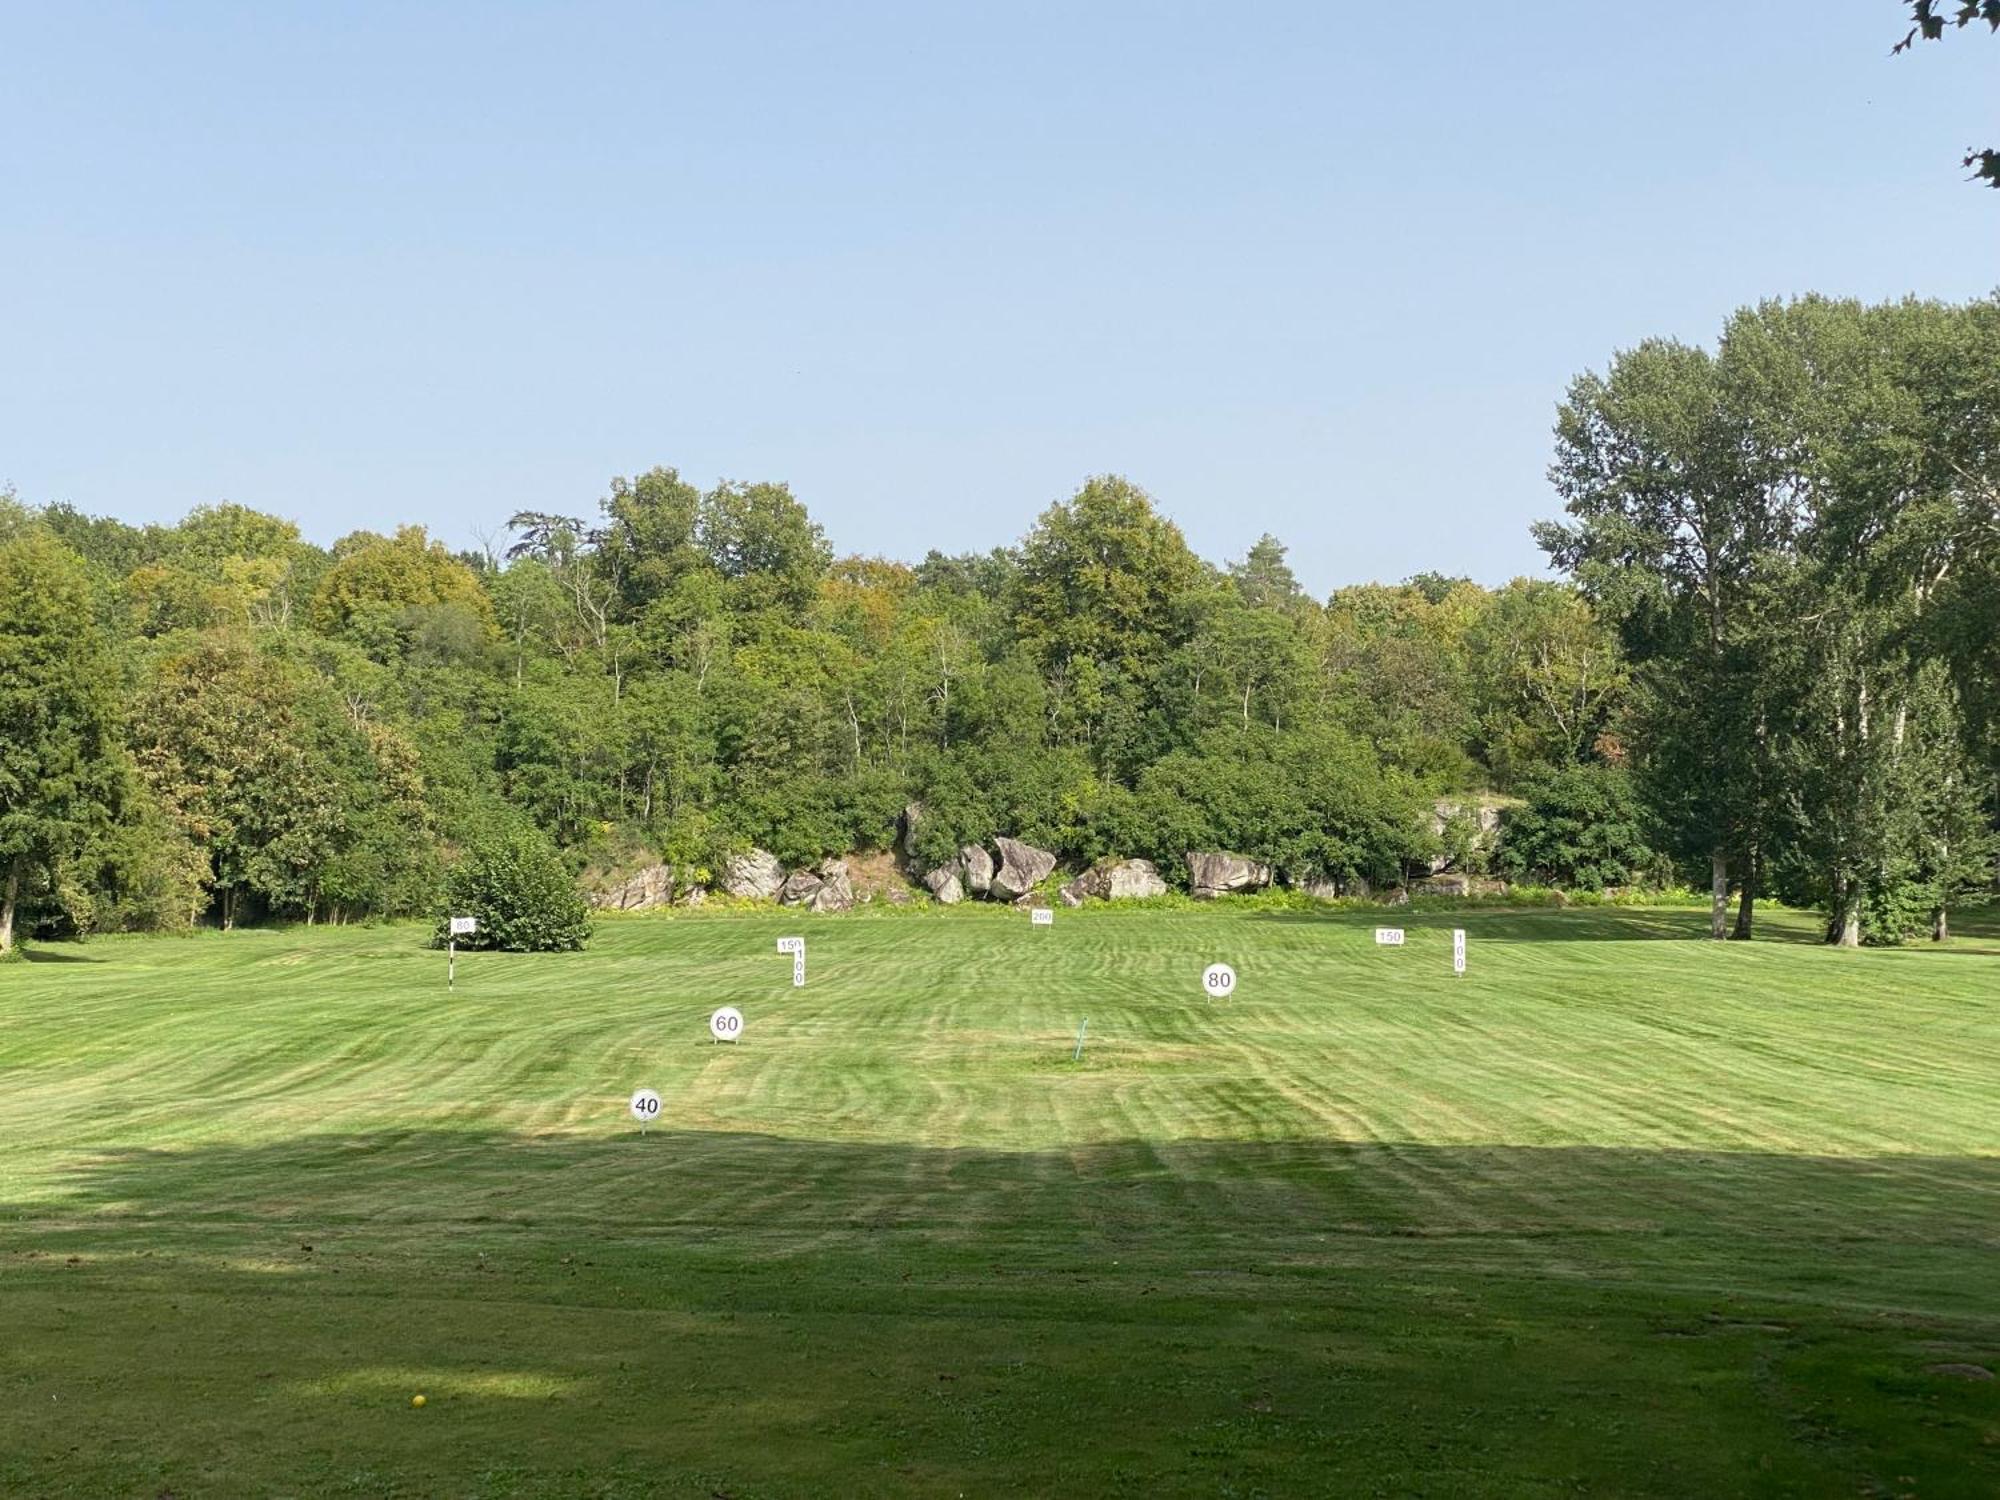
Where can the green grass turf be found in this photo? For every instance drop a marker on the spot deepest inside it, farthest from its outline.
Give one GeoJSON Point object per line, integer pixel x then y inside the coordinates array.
{"type": "Point", "coordinates": [1615, 1214]}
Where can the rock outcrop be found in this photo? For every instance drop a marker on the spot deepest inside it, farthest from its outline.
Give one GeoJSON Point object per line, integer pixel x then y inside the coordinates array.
{"type": "Point", "coordinates": [1219, 874]}
{"type": "Point", "coordinates": [642, 890]}
{"type": "Point", "coordinates": [1072, 894]}
{"type": "Point", "coordinates": [1022, 868]}
{"type": "Point", "coordinates": [1122, 880]}
{"type": "Point", "coordinates": [1460, 885]}
{"type": "Point", "coordinates": [906, 839]}
{"type": "Point", "coordinates": [755, 876]}
{"type": "Point", "coordinates": [1319, 887]}
{"type": "Point", "coordinates": [978, 869]}
{"type": "Point", "coordinates": [1480, 837]}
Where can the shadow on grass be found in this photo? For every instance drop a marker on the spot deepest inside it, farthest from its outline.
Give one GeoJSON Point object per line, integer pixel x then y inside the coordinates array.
{"type": "Point", "coordinates": [1285, 1316]}
{"type": "Point", "coordinates": [37, 953]}
{"type": "Point", "coordinates": [769, 1194]}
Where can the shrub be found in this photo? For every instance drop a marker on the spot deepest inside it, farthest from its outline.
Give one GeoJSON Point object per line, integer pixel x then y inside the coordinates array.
{"type": "Point", "coordinates": [518, 888]}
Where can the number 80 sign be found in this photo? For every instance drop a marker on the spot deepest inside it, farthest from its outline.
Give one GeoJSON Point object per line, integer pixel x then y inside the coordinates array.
{"type": "Point", "coordinates": [1218, 981]}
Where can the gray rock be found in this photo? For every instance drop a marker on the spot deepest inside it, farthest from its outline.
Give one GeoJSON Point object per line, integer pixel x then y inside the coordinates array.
{"type": "Point", "coordinates": [836, 888]}
{"type": "Point", "coordinates": [906, 837]}
{"type": "Point", "coordinates": [1212, 875]}
{"type": "Point", "coordinates": [1072, 894]}
{"type": "Point", "coordinates": [944, 885]}
{"type": "Point", "coordinates": [1396, 897]}
{"type": "Point", "coordinates": [1460, 885]}
{"type": "Point", "coordinates": [978, 869]}
{"type": "Point", "coordinates": [1319, 887]}
{"type": "Point", "coordinates": [640, 891]}
{"type": "Point", "coordinates": [755, 876]}
{"type": "Point", "coordinates": [1123, 880]}
{"type": "Point", "coordinates": [1357, 888]}
{"type": "Point", "coordinates": [799, 888]}
{"type": "Point", "coordinates": [1022, 868]}
{"type": "Point", "coordinates": [694, 895]}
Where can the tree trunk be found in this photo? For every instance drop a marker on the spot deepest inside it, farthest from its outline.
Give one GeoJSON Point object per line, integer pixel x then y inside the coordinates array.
{"type": "Point", "coordinates": [1843, 928]}
{"type": "Point", "coordinates": [1746, 904]}
{"type": "Point", "coordinates": [7, 899]}
{"type": "Point", "coordinates": [1940, 927]}
{"type": "Point", "coordinates": [1745, 915]}
{"type": "Point", "coordinates": [1718, 896]}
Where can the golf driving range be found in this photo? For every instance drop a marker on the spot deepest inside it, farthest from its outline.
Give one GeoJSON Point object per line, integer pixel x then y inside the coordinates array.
{"type": "Point", "coordinates": [1617, 1212]}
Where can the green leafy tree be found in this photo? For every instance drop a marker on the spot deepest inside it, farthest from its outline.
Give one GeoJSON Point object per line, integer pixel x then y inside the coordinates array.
{"type": "Point", "coordinates": [1578, 827]}
{"type": "Point", "coordinates": [61, 768]}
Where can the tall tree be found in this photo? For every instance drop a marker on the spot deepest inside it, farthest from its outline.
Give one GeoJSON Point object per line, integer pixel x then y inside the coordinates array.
{"type": "Point", "coordinates": [1671, 536]}
{"type": "Point", "coordinates": [61, 769]}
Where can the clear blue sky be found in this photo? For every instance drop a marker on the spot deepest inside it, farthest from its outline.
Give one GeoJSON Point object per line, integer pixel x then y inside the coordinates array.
{"type": "Point", "coordinates": [1317, 269]}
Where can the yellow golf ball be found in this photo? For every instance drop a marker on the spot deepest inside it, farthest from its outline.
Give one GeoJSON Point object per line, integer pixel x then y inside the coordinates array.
{"type": "Point", "coordinates": [417, 1400]}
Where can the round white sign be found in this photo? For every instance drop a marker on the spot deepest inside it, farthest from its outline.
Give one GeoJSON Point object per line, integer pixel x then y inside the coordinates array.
{"type": "Point", "coordinates": [1218, 981]}
{"type": "Point", "coordinates": [645, 1106]}
{"type": "Point", "coordinates": [726, 1025]}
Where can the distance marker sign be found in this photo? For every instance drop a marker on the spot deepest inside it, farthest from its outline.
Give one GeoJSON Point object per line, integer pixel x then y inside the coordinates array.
{"type": "Point", "coordinates": [1389, 937]}
{"type": "Point", "coordinates": [645, 1106]}
{"type": "Point", "coordinates": [1043, 917]}
{"type": "Point", "coordinates": [796, 946]}
{"type": "Point", "coordinates": [1218, 981]}
{"type": "Point", "coordinates": [726, 1025]}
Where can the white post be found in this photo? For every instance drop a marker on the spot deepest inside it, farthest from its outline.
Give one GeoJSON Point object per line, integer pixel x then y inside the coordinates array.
{"type": "Point", "coordinates": [451, 963]}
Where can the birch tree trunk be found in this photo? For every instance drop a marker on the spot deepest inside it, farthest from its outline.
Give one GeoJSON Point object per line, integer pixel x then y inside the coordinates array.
{"type": "Point", "coordinates": [1718, 896]}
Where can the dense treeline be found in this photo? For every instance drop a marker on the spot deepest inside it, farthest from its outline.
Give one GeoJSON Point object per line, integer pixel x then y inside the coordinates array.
{"type": "Point", "coordinates": [1775, 666]}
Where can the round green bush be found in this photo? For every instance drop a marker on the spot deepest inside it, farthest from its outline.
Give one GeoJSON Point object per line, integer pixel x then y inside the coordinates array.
{"type": "Point", "coordinates": [520, 891]}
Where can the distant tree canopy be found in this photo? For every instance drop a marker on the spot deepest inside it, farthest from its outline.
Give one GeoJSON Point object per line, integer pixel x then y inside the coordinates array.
{"type": "Point", "coordinates": [1774, 668]}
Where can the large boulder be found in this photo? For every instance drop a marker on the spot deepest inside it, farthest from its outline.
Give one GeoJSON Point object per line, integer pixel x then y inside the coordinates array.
{"type": "Point", "coordinates": [836, 888]}
{"type": "Point", "coordinates": [1212, 875]}
{"type": "Point", "coordinates": [755, 876]}
{"type": "Point", "coordinates": [1022, 868]}
{"type": "Point", "coordinates": [1122, 880]}
{"type": "Point", "coordinates": [978, 869]}
{"type": "Point", "coordinates": [642, 890]}
{"type": "Point", "coordinates": [1072, 894]}
{"type": "Point", "coordinates": [945, 886]}
{"type": "Point", "coordinates": [799, 888]}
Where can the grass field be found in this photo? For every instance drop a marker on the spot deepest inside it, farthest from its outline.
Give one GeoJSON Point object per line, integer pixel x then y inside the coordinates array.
{"type": "Point", "coordinates": [1613, 1215]}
